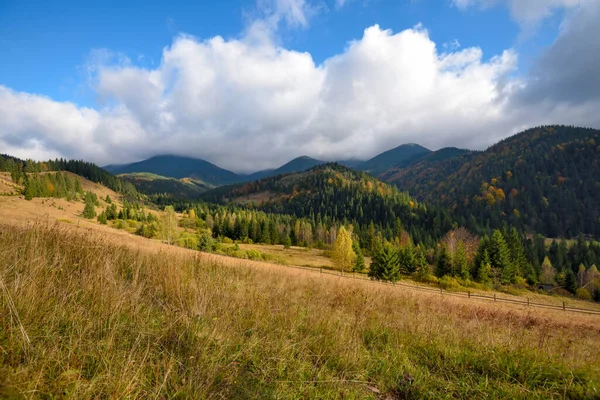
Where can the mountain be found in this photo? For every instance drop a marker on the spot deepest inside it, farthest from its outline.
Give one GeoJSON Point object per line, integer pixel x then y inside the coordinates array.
{"type": "Point", "coordinates": [544, 180]}
{"type": "Point", "coordinates": [332, 192]}
{"type": "Point", "coordinates": [178, 167]}
{"type": "Point", "coordinates": [407, 177]}
{"type": "Point", "coordinates": [400, 156]}
{"type": "Point", "coordinates": [298, 164]}
{"type": "Point", "coordinates": [151, 184]}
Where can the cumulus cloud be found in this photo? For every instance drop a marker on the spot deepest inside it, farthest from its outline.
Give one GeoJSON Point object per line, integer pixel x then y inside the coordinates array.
{"type": "Point", "coordinates": [248, 104]}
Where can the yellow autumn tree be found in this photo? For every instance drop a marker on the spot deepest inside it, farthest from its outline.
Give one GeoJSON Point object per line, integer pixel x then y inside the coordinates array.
{"type": "Point", "coordinates": [342, 254]}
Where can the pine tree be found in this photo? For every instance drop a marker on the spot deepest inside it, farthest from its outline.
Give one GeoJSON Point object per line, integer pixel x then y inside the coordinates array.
{"type": "Point", "coordinates": [384, 265]}
{"type": "Point", "coordinates": [570, 281]}
{"type": "Point", "coordinates": [485, 270]}
{"type": "Point", "coordinates": [102, 218]}
{"type": "Point", "coordinates": [407, 259]}
{"type": "Point", "coordinates": [359, 265]}
{"type": "Point", "coordinates": [443, 265]}
{"type": "Point", "coordinates": [421, 265]}
{"type": "Point", "coordinates": [342, 254]}
{"type": "Point", "coordinates": [500, 258]}
{"type": "Point", "coordinates": [89, 210]}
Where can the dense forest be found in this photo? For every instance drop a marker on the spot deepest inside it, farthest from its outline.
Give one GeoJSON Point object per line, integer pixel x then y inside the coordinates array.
{"type": "Point", "coordinates": [332, 192]}
{"type": "Point", "coordinates": [544, 180]}
{"type": "Point", "coordinates": [20, 168]}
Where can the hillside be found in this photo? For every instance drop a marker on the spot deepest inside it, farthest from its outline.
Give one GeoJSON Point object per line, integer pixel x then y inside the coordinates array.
{"type": "Point", "coordinates": [298, 164]}
{"type": "Point", "coordinates": [151, 184]}
{"type": "Point", "coordinates": [151, 320]}
{"type": "Point", "coordinates": [543, 180]}
{"type": "Point", "coordinates": [178, 168]}
{"type": "Point", "coordinates": [435, 167]}
{"type": "Point", "coordinates": [332, 192]}
{"type": "Point", "coordinates": [400, 156]}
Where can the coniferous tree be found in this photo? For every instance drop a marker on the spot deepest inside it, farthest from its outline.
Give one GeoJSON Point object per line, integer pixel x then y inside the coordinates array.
{"type": "Point", "coordinates": [485, 269]}
{"type": "Point", "coordinates": [359, 264]}
{"type": "Point", "coordinates": [443, 265]}
{"type": "Point", "coordinates": [500, 258]}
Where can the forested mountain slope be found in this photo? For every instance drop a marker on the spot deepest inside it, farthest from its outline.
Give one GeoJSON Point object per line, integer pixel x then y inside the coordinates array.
{"type": "Point", "coordinates": [333, 192]}
{"type": "Point", "coordinates": [544, 180]}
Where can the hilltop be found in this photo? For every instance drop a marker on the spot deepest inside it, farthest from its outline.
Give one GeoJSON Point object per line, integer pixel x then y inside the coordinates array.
{"type": "Point", "coordinates": [542, 180]}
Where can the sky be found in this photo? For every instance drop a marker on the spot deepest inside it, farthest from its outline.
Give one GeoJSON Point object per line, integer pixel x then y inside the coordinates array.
{"type": "Point", "coordinates": [251, 84]}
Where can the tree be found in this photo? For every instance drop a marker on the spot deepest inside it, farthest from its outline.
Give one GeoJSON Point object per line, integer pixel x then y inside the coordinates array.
{"type": "Point", "coordinates": [102, 218]}
{"type": "Point", "coordinates": [359, 264]}
{"type": "Point", "coordinates": [459, 261]}
{"type": "Point", "coordinates": [205, 241]}
{"type": "Point", "coordinates": [108, 200]}
{"type": "Point", "coordinates": [407, 258]}
{"type": "Point", "coordinates": [168, 223]}
{"type": "Point", "coordinates": [570, 281]}
{"type": "Point", "coordinates": [548, 274]}
{"type": "Point", "coordinates": [500, 258]}
{"type": "Point", "coordinates": [342, 253]}
{"type": "Point", "coordinates": [384, 265]}
{"type": "Point", "coordinates": [421, 265]}
{"type": "Point", "coordinates": [485, 269]}
{"type": "Point", "coordinates": [443, 265]}
{"type": "Point", "coordinates": [89, 211]}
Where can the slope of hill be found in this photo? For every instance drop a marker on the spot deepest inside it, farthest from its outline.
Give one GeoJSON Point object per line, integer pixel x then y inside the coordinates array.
{"type": "Point", "coordinates": [151, 184]}
{"type": "Point", "coordinates": [178, 167]}
{"type": "Point", "coordinates": [298, 164]}
{"type": "Point", "coordinates": [18, 168]}
{"type": "Point", "coordinates": [545, 180]}
{"type": "Point", "coordinates": [334, 192]}
{"type": "Point", "coordinates": [440, 161]}
{"type": "Point", "coordinates": [400, 156]}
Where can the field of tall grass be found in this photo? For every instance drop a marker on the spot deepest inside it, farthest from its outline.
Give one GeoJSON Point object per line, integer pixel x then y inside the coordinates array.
{"type": "Point", "coordinates": [83, 317]}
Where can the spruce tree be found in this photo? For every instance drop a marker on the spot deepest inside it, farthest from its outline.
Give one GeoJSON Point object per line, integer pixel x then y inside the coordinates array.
{"type": "Point", "coordinates": [500, 258]}
{"type": "Point", "coordinates": [485, 270]}
{"type": "Point", "coordinates": [359, 264]}
{"type": "Point", "coordinates": [89, 211]}
{"type": "Point", "coordinates": [443, 265]}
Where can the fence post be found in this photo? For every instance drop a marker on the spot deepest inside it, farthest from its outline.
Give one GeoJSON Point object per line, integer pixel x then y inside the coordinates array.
{"type": "Point", "coordinates": [441, 291]}
{"type": "Point", "coordinates": [528, 302]}
{"type": "Point", "coordinates": [494, 296]}
{"type": "Point", "coordinates": [564, 306]}
{"type": "Point", "coordinates": [469, 294]}
{"type": "Point", "coordinates": [320, 270]}
{"type": "Point", "coordinates": [342, 272]}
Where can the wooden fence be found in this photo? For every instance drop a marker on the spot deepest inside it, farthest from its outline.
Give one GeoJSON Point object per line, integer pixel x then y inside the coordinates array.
{"type": "Point", "coordinates": [469, 295]}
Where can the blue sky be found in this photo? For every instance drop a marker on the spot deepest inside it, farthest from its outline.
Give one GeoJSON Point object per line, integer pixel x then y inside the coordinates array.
{"type": "Point", "coordinates": [51, 41]}
{"type": "Point", "coordinates": [89, 58]}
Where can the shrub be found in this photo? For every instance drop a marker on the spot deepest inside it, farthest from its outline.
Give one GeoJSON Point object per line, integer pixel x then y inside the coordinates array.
{"type": "Point", "coordinates": [583, 294]}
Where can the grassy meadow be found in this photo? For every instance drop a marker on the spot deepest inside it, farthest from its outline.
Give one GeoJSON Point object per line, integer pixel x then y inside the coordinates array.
{"type": "Point", "coordinates": [82, 316]}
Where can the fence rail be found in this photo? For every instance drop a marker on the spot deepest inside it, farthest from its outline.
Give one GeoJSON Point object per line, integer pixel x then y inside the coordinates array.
{"type": "Point", "coordinates": [441, 291]}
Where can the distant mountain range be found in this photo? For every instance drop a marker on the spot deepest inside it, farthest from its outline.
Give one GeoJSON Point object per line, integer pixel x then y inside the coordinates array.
{"type": "Point", "coordinates": [170, 166]}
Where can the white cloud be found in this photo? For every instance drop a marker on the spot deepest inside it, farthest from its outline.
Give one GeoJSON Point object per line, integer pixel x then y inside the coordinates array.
{"type": "Point", "coordinates": [249, 104]}
{"type": "Point", "coordinates": [523, 11]}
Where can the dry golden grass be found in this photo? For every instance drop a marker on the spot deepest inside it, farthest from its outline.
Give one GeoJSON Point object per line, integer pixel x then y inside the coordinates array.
{"type": "Point", "coordinates": [82, 316]}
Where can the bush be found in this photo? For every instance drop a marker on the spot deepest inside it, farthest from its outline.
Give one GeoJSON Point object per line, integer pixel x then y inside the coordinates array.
{"type": "Point", "coordinates": [226, 240]}
{"type": "Point", "coordinates": [583, 294]}
{"type": "Point", "coordinates": [253, 254]}
{"type": "Point", "coordinates": [120, 224]}
{"type": "Point", "coordinates": [449, 283]}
